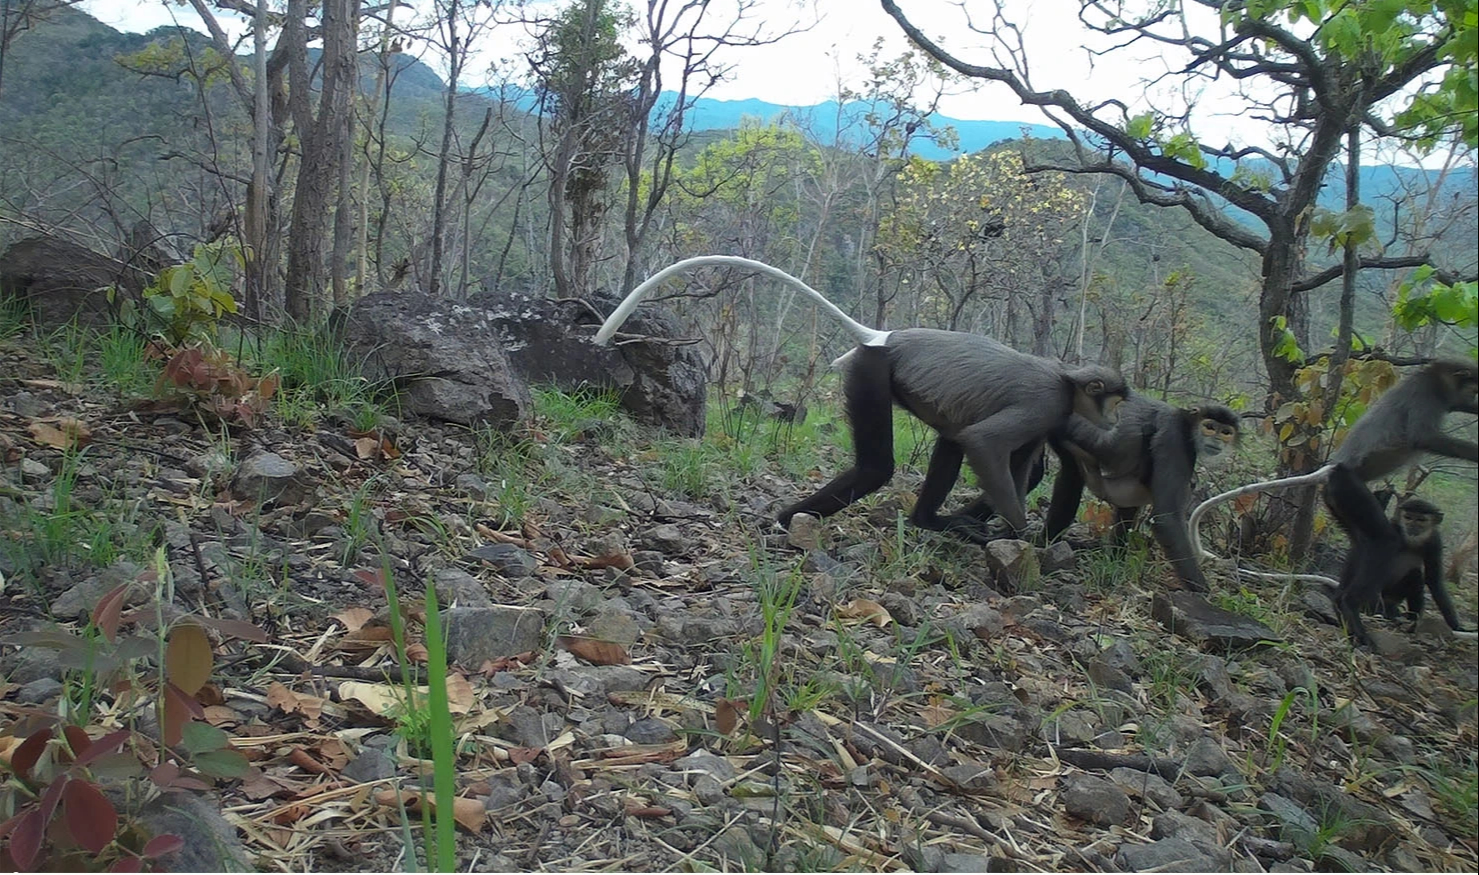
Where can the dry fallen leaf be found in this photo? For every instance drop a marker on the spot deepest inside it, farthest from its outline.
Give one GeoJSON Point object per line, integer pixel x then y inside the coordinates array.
{"type": "Point", "coordinates": [594, 650]}
{"type": "Point", "coordinates": [470, 814]}
{"type": "Point", "coordinates": [66, 434]}
{"type": "Point", "coordinates": [727, 713]}
{"type": "Point", "coordinates": [865, 609]}
{"type": "Point", "coordinates": [354, 618]}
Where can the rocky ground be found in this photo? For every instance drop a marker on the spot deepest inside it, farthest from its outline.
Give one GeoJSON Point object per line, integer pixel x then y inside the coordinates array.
{"type": "Point", "coordinates": [857, 696]}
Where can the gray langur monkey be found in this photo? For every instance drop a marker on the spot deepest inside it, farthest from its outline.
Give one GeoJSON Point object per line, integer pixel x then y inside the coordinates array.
{"type": "Point", "coordinates": [1148, 458]}
{"type": "Point", "coordinates": [990, 405]}
{"type": "Point", "coordinates": [1402, 424]}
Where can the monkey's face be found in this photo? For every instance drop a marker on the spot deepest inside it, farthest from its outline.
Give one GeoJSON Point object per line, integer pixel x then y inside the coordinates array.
{"type": "Point", "coordinates": [1417, 525]}
{"type": "Point", "coordinates": [1461, 381]}
{"type": "Point", "coordinates": [1216, 434]}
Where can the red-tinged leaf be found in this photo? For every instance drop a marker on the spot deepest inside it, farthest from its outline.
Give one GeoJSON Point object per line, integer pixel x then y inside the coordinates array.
{"type": "Point", "coordinates": [53, 795]}
{"type": "Point", "coordinates": [127, 864]}
{"type": "Point", "coordinates": [371, 577]}
{"type": "Point", "coordinates": [91, 818]}
{"type": "Point", "coordinates": [77, 740]}
{"type": "Point", "coordinates": [29, 752]}
{"type": "Point", "coordinates": [176, 714]}
{"type": "Point", "coordinates": [164, 775]}
{"type": "Point", "coordinates": [25, 842]}
{"type": "Point", "coordinates": [520, 755]}
{"type": "Point", "coordinates": [594, 650]}
{"type": "Point", "coordinates": [104, 746]}
{"type": "Point", "coordinates": [726, 714]}
{"type": "Point", "coordinates": [160, 845]}
{"type": "Point", "coordinates": [187, 657]}
{"type": "Point", "coordinates": [109, 610]}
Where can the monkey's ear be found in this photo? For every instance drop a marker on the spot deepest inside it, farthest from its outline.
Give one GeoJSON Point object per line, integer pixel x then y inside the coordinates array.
{"type": "Point", "coordinates": [1094, 387]}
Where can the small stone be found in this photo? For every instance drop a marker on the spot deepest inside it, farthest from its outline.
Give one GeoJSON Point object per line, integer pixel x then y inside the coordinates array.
{"type": "Point", "coordinates": [804, 532]}
{"type": "Point", "coordinates": [455, 586]}
{"type": "Point", "coordinates": [38, 691]}
{"type": "Point", "coordinates": [1057, 556]}
{"type": "Point", "coordinates": [1107, 676]}
{"type": "Point", "coordinates": [1166, 855]}
{"type": "Point", "coordinates": [1014, 562]}
{"type": "Point", "coordinates": [1192, 616]}
{"type": "Point", "coordinates": [666, 539]}
{"type": "Point", "coordinates": [1149, 786]}
{"type": "Point", "coordinates": [650, 730]}
{"type": "Point", "coordinates": [704, 762]}
{"type": "Point", "coordinates": [33, 471]}
{"type": "Point", "coordinates": [971, 777]}
{"type": "Point", "coordinates": [370, 764]}
{"type": "Point", "coordinates": [1207, 758]}
{"type": "Point", "coordinates": [268, 478]}
{"type": "Point", "coordinates": [510, 561]}
{"type": "Point", "coordinates": [210, 841]}
{"type": "Point", "coordinates": [575, 596]}
{"type": "Point", "coordinates": [476, 635]}
{"type": "Point", "coordinates": [1094, 800]}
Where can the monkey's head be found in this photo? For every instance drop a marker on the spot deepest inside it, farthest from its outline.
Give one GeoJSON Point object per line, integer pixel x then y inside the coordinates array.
{"type": "Point", "coordinates": [1459, 382]}
{"type": "Point", "coordinates": [1216, 431]}
{"type": "Point", "coordinates": [1097, 394]}
{"type": "Point", "coordinates": [1418, 519]}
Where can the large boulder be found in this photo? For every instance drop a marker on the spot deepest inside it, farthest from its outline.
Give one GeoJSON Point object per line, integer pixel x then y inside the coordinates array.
{"type": "Point", "coordinates": [662, 379]}
{"type": "Point", "coordinates": [61, 281]}
{"type": "Point", "coordinates": [447, 358]}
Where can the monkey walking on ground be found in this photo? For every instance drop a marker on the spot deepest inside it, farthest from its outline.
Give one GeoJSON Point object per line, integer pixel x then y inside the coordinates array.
{"type": "Point", "coordinates": [990, 406]}
{"type": "Point", "coordinates": [1403, 423]}
{"type": "Point", "coordinates": [1148, 458]}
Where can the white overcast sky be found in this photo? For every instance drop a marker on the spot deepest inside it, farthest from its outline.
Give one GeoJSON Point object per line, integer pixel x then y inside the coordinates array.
{"type": "Point", "coordinates": [803, 69]}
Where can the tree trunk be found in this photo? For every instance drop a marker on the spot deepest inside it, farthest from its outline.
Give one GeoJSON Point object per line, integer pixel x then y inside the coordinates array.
{"type": "Point", "coordinates": [444, 155]}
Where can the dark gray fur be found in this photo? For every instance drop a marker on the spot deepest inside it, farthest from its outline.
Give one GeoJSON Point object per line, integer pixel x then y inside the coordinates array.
{"type": "Point", "coordinates": [992, 406]}
{"type": "Point", "coordinates": [1408, 420]}
{"type": "Point", "coordinates": [1148, 458]}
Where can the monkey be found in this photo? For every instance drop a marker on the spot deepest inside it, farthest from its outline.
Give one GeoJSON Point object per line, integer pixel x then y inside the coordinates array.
{"type": "Point", "coordinates": [1403, 423]}
{"type": "Point", "coordinates": [1391, 560]}
{"type": "Point", "coordinates": [990, 406]}
{"type": "Point", "coordinates": [1148, 458]}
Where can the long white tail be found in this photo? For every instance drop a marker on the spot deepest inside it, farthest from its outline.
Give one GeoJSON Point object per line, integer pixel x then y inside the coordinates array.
{"type": "Point", "coordinates": [1193, 522]}
{"type": "Point", "coordinates": [865, 335]}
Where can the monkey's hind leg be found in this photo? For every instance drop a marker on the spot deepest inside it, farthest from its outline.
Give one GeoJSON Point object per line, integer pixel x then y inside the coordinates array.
{"type": "Point", "coordinates": [867, 390]}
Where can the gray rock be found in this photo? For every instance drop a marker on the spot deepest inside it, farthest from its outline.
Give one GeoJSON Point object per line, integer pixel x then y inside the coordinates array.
{"type": "Point", "coordinates": [531, 728]}
{"type": "Point", "coordinates": [575, 596]}
{"type": "Point", "coordinates": [1121, 655]}
{"type": "Point", "coordinates": [478, 634]}
{"type": "Point", "coordinates": [1151, 787]}
{"type": "Point", "coordinates": [971, 777]}
{"type": "Point", "coordinates": [1167, 855]}
{"type": "Point", "coordinates": [38, 691]}
{"type": "Point", "coordinates": [804, 532]}
{"type": "Point", "coordinates": [1107, 676]}
{"type": "Point", "coordinates": [1191, 616]}
{"type": "Point", "coordinates": [62, 281]}
{"type": "Point", "coordinates": [1294, 823]}
{"type": "Point", "coordinates": [650, 730]}
{"type": "Point", "coordinates": [737, 848]}
{"type": "Point", "coordinates": [1317, 605]}
{"type": "Point", "coordinates": [666, 539]}
{"type": "Point", "coordinates": [616, 626]}
{"type": "Point", "coordinates": [1014, 563]}
{"type": "Point", "coordinates": [902, 608]}
{"type": "Point", "coordinates": [211, 844]}
{"type": "Point", "coordinates": [457, 586]}
{"type": "Point", "coordinates": [967, 863]}
{"type": "Point", "coordinates": [1206, 758]}
{"type": "Point", "coordinates": [691, 631]}
{"type": "Point", "coordinates": [268, 478]}
{"type": "Point", "coordinates": [984, 621]}
{"type": "Point", "coordinates": [704, 762]}
{"type": "Point", "coordinates": [660, 382]}
{"type": "Point", "coordinates": [1057, 556]}
{"type": "Point", "coordinates": [79, 600]}
{"type": "Point", "coordinates": [1368, 827]}
{"type": "Point", "coordinates": [509, 560]}
{"type": "Point", "coordinates": [1072, 728]}
{"type": "Point", "coordinates": [1174, 824]}
{"type": "Point", "coordinates": [372, 763]}
{"type": "Point", "coordinates": [998, 731]}
{"type": "Point", "coordinates": [447, 357]}
{"type": "Point", "coordinates": [1094, 800]}
{"type": "Point", "coordinates": [504, 789]}
{"type": "Point", "coordinates": [596, 680]}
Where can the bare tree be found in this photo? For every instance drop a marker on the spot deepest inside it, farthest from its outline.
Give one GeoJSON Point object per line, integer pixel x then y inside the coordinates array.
{"type": "Point", "coordinates": [1309, 91]}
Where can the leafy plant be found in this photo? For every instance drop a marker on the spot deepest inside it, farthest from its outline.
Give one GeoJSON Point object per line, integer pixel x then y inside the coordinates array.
{"type": "Point", "coordinates": [190, 298]}
{"type": "Point", "coordinates": [66, 821]}
{"type": "Point", "coordinates": [214, 384]}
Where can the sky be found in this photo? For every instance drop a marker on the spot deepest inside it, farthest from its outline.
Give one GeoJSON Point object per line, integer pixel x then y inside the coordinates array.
{"type": "Point", "coordinates": [804, 68]}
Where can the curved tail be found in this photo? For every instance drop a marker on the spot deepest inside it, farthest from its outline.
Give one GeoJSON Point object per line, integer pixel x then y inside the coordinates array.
{"type": "Point", "coordinates": [865, 335]}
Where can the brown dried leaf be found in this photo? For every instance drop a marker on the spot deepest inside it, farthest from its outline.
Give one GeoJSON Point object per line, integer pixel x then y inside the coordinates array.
{"type": "Point", "coordinates": [354, 618]}
{"type": "Point", "coordinates": [66, 434]}
{"type": "Point", "coordinates": [367, 447]}
{"type": "Point", "coordinates": [727, 714]}
{"type": "Point", "coordinates": [470, 814]}
{"type": "Point", "coordinates": [865, 609]}
{"type": "Point", "coordinates": [594, 650]}
{"type": "Point", "coordinates": [187, 657]}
